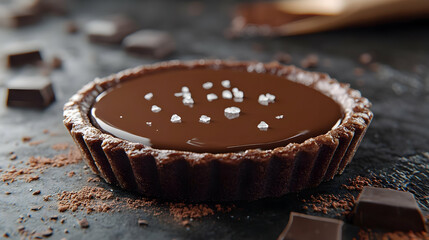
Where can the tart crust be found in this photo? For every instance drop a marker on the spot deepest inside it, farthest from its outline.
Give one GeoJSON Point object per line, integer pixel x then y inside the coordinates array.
{"type": "Point", "coordinates": [196, 177]}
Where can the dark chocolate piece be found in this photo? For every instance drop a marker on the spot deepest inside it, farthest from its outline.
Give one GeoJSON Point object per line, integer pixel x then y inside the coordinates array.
{"type": "Point", "coordinates": [110, 30]}
{"type": "Point", "coordinates": [32, 92]}
{"type": "Point", "coordinates": [304, 227]}
{"type": "Point", "coordinates": [19, 13]}
{"type": "Point", "coordinates": [20, 54]}
{"type": "Point", "coordinates": [388, 209]}
{"type": "Point", "coordinates": [152, 43]}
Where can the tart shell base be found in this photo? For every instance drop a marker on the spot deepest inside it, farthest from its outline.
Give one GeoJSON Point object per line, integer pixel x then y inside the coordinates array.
{"type": "Point", "coordinates": [196, 177]}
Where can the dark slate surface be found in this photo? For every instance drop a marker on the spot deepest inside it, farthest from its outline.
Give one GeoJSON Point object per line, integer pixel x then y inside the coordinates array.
{"type": "Point", "coordinates": [395, 148]}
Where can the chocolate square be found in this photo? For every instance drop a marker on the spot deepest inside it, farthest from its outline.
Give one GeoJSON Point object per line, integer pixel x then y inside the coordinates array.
{"type": "Point", "coordinates": [304, 227]}
{"type": "Point", "coordinates": [110, 30]}
{"type": "Point", "coordinates": [20, 54]}
{"type": "Point", "coordinates": [388, 209]}
{"type": "Point", "coordinates": [30, 92]}
{"type": "Point", "coordinates": [151, 43]}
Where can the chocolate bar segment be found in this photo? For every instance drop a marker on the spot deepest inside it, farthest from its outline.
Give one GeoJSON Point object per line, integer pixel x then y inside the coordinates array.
{"type": "Point", "coordinates": [19, 13]}
{"type": "Point", "coordinates": [111, 30]}
{"type": "Point", "coordinates": [388, 209]}
{"type": "Point", "coordinates": [304, 227]}
{"type": "Point", "coordinates": [151, 43]}
{"type": "Point", "coordinates": [20, 54]}
{"type": "Point", "coordinates": [30, 92]}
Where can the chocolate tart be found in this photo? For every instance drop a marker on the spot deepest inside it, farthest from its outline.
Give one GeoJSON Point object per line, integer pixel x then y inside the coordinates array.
{"type": "Point", "coordinates": [141, 149]}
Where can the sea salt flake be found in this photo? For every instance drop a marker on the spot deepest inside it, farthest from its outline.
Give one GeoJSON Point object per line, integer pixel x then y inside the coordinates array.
{"type": "Point", "coordinates": [263, 126]}
{"type": "Point", "coordinates": [226, 94]}
{"type": "Point", "coordinates": [185, 89]}
{"type": "Point", "coordinates": [175, 118]}
{"type": "Point", "coordinates": [148, 96]}
{"type": "Point", "coordinates": [149, 124]}
{"type": "Point", "coordinates": [279, 117]}
{"type": "Point", "coordinates": [270, 97]}
{"type": "Point", "coordinates": [207, 85]}
{"type": "Point", "coordinates": [178, 94]}
{"type": "Point", "coordinates": [187, 95]}
{"type": "Point", "coordinates": [155, 109]}
{"type": "Point", "coordinates": [232, 112]}
{"type": "Point", "coordinates": [205, 119]}
{"type": "Point", "coordinates": [234, 90]}
{"type": "Point", "coordinates": [226, 83]}
{"type": "Point", "coordinates": [188, 101]}
{"type": "Point", "coordinates": [238, 94]}
{"type": "Point", "coordinates": [265, 99]}
{"type": "Point", "coordinates": [211, 97]}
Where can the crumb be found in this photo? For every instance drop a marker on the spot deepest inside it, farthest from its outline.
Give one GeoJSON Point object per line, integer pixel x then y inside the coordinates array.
{"type": "Point", "coordinates": [93, 179]}
{"type": "Point", "coordinates": [26, 139]}
{"type": "Point", "coordinates": [36, 192]}
{"type": "Point", "coordinates": [83, 223]}
{"type": "Point", "coordinates": [310, 61]}
{"type": "Point", "coordinates": [359, 71]}
{"type": "Point", "coordinates": [283, 57]}
{"type": "Point", "coordinates": [36, 208]}
{"type": "Point", "coordinates": [56, 63]}
{"type": "Point", "coordinates": [365, 58]}
{"type": "Point", "coordinates": [36, 143]}
{"type": "Point", "coordinates": [61, 146]}
{"type": "Point", "coordinates": [46, 198]}
{"type": "Point", "coordinates": [142, 222]}
{"type": "Point", "coordinates": [45, 131]}
{"type": "Point", "coordinates": [13, 157]}
{"type": "Point", "coordinates": [186, 223]}
{"type": "Point", "coordinates": [62, 221]}
{"type": "Point", "coordinates": [71, 27]}
{"type": "Point", "coordinates": [8, 193]}
{"type": "Point", "coordinates": [71, 174]}
{"type": "Point", "coordinates": [359, 182]}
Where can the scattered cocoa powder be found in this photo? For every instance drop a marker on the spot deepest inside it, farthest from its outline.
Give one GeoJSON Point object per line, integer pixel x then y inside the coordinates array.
{"type": "Point", "coordinates": [35, 143]}
{"type": "Point", "coordinates": [61, 146]}
{"type": "Point", "coordinates": [359, 182]}
{"type": "Point", "coordinates": [325, 202]}
{"type": "Point", "coordinates": [39, 164]}
{"type": "Point", "coordinates": [93, 179]}
{"type": "Point", "coordinates": [89, 198]}
{"type": "Point", "coordinates": [368, 234]}
{"type": "Point", "coordinates": [182, 210]}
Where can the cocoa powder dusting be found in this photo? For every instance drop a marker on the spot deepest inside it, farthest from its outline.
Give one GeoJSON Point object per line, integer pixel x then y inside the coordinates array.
{"type": "Point", "coordinates": [91, 199]}
{"type": "Point", "coordinates": [368, 234]}
{"type": "Point", "coordinates": [341, 202]}
{"type": "Point", "coordinates": [39, 164]}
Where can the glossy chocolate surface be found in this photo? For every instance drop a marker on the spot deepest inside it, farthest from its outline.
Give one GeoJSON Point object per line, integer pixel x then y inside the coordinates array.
{"type": "Point", "coordinates": [123, 111]}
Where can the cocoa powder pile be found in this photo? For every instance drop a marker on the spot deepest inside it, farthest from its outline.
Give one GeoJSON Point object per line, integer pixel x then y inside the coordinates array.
{"type": "Point", "coordinates": [91, 199]}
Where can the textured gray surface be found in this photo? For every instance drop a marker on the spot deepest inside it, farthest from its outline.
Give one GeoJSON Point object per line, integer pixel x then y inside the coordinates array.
{"type": "Point", "coordinates": [395, 148]}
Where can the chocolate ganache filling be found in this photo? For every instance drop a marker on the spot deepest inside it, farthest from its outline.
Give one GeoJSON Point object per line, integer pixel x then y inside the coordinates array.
{"type": "Point", "coordinates": [214, 110]}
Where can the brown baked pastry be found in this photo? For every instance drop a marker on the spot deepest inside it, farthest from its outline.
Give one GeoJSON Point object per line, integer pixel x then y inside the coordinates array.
{"type": "Point", "coordinates": [213, 130]}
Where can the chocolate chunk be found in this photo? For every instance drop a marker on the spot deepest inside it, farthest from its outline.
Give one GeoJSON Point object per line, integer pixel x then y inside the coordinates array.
{"type": "Point", "coordinates": [152, 43]}
{"type": "Point", "coordinates": [303, 227]}
{"type": "Point", "coordinates": [388, 209]}
{"type": "Point", "coordinates": [83, 223]}
{"type": "Point", "coordinates": [31, 92]}
{"type": "Point", "coordinates": [19, 13]}
{"type": "Point", "coordinates": [110, 30]}
{"type": "Point", "coordinates": [20, 54]}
